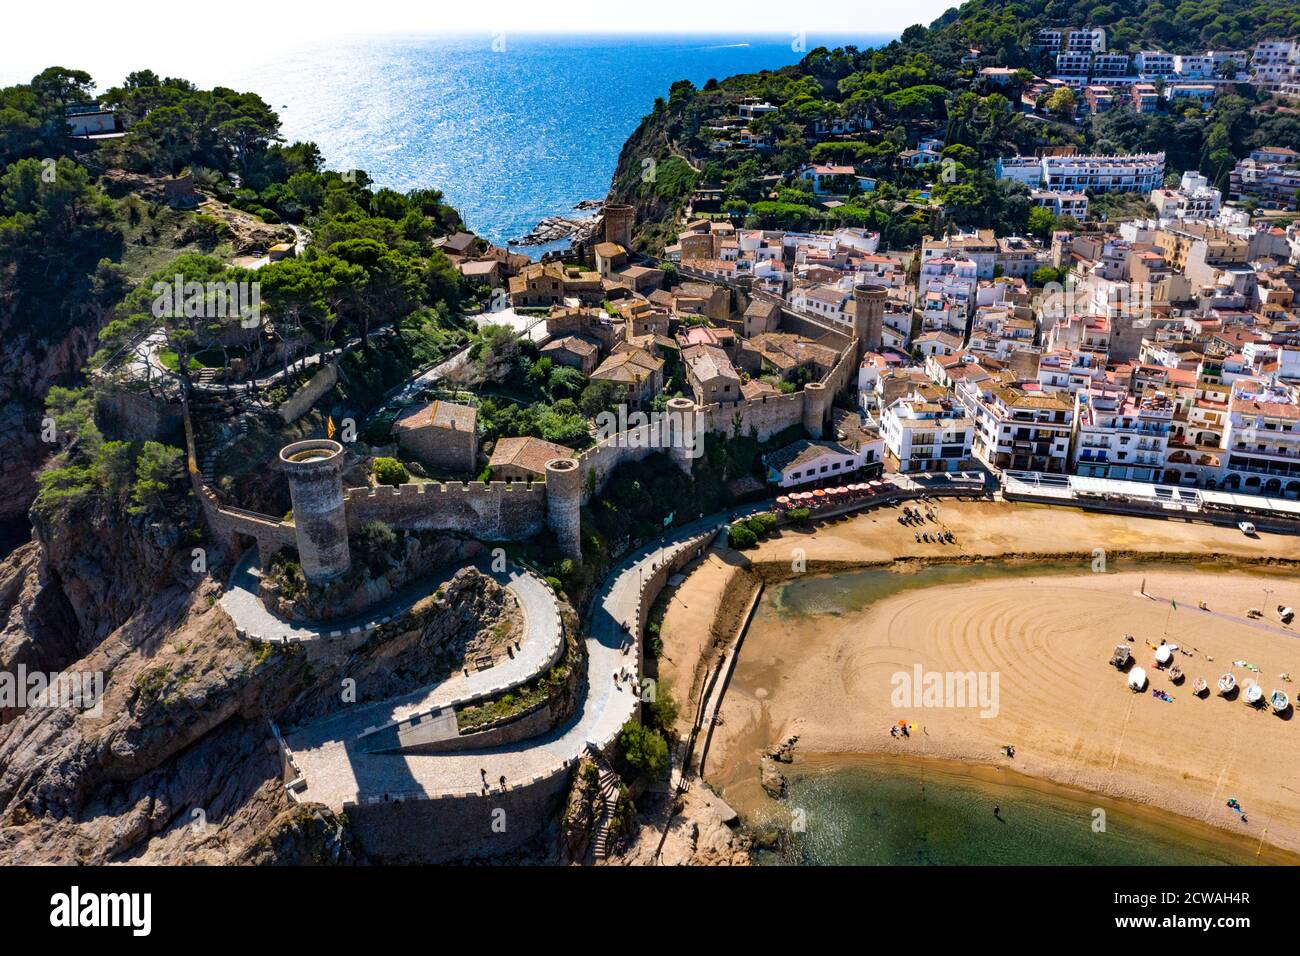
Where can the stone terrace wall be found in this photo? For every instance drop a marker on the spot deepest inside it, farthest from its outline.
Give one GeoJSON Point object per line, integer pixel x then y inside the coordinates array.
{"type": "Point", "coordinates": [457, 826]}
{"type": "Point", "coordinates": [301, 401]}
{"type": "Point", "coordinates": [635, 444]}
{"type": "Point", "coordinates": [121, 411]}
{"type": "Point", "coordinates": [499, 510]}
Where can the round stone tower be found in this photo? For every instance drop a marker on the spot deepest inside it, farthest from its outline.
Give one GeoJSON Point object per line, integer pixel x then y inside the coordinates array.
{"type": "Point", "coordinates": [814, 408]}
{"type": "Point", "coordinates": [869, 317]}
{"type": "Point", "coordinates": [314, 469]}
{"type": "Point", "coordinates": [564, 504]}
{"type": "Point", "coordinates": [618, 224]}
{"type": "Point", "coordinates": [681, 431]}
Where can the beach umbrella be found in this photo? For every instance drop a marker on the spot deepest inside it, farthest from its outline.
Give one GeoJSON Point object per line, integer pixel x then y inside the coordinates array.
{"type": "Point", "coordinates": [783, 500]}
{"type": "Point", "coordinates": [819, 493]}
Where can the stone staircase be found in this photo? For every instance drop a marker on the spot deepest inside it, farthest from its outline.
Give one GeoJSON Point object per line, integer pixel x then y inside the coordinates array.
{"type": "Point", "coordinates": [608, 789]}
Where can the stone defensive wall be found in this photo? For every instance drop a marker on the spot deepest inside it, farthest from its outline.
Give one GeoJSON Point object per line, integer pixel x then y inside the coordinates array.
{"type": "Point", "coordinates": [226, 523]}
{"type": "Point", "coordinates": [493, 511]}
{"type": "Point", "coordinates": [455, 826]}
{"type": "Point", "coordinates": [416, 826]}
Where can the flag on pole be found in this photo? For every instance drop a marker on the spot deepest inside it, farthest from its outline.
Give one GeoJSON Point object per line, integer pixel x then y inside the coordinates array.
{"type": "Point", "coordinates": [329, 426]}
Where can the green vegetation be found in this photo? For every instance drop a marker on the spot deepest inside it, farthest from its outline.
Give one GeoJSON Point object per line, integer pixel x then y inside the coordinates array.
{"type": "Point", "coordinates": [747, 532]}
{"type": "Point", "coordinates": [641, 754]}
{"type": "Point", "coordinates": [389, 471]}
{"type": "Point", "coordinates": [145, 480]}
{"type": "Point", "coordinates": [863, 108]}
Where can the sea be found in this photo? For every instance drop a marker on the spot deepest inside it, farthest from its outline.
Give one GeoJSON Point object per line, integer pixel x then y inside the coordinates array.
{"type": "Point", "coordinates": [512, 128]}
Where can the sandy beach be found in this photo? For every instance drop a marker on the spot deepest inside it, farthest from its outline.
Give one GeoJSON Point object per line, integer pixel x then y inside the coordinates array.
{"type": "Point", "coordinates": [1047, 637]}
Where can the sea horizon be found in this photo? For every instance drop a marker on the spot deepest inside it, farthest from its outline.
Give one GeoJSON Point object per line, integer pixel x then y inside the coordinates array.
{"type": "Point", "coordinates": [513, 128]}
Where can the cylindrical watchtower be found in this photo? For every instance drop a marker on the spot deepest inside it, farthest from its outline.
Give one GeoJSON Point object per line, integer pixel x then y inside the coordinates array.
{"type": "Point", "coordinates": [814, 409]}
{"type": "Point", "coordinates": [564, 504]}
{"type": "Point", "coordinates": [680, 431]}
{"type": "Point", "coordinates": [869, 317]}
{"type": "Point", "coordinates": [314, 469]}
{"type": "Point", "coordinates": [618, 224]}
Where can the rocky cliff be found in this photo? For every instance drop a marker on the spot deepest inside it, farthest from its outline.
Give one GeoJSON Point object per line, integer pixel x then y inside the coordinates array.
{"type": "Point", "coordinates": [181, 765]}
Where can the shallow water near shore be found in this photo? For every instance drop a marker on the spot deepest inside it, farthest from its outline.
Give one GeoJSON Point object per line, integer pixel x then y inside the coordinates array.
{"type": "Point", "coordinates": [868, 809]}
{"type": "Point", "coordinates": [878, 811]}
{"type": "Point", "coordinates": [850, 591]}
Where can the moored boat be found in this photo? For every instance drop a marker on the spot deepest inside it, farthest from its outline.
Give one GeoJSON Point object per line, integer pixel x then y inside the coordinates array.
{"type": "Point", "coordinates": [1176, 674]}
{"type": "Point", "coordinates": [1254, 695]}
{"type": "Point", "coordinates": [1227, 683]}
{"type": "Point", "coordinates": [1199, 687]}
{"type": "Point", "coordinates": [1137, 679]}
{"type": "Point", "coordinates": [1121, 656]}
{"type": "Point", "coordinates": [1280, 701]}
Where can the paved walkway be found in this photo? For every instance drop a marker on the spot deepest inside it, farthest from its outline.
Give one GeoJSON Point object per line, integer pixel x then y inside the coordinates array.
{"type": "Point", "coordinates": [339, 769]}
{"type": "Point", "coordinates": [255, 623]}
{"type": "Point", "coordinates": [321, 749]}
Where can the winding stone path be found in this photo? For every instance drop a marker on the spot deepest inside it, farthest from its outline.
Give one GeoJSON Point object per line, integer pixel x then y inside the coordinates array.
{"type": "Point", "coordinates": [255, 623]}
{"type": "Point", "coordinates": [338, 769]}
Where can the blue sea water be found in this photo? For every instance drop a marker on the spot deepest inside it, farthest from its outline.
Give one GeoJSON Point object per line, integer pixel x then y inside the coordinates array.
{"type": "Point", "coordinates": [513, 129]}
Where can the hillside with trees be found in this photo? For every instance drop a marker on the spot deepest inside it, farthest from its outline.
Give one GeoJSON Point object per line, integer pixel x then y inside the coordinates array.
{"type": "Point", "coordinates": [863, 108]}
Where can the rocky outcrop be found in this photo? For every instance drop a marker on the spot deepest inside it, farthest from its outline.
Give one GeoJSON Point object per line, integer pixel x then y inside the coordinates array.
{"type": "Point", "coordinates": [38, 628]}
{"type": "Point", "coordinates": [181, 765]}
{"type": "Point", "coordinates": [367, 583]}
{"type": "Point", "coordinates": [29, 365]}
{"type": "Point", "coordinates": [107, 563]}
{"type": "Point", "coordinates": [307, 835]}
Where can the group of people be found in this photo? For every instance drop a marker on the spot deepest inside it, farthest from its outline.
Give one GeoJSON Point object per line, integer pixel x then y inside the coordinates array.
{"type": "Point", "coordinates": [914, 516]}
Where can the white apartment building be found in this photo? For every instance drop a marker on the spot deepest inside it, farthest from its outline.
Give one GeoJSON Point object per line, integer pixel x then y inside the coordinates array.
{"type": "Point", "coordinates": [1108, 66]}
{"type": "Point", "coordinates": [822, 300]}
{"type": "Point", "coordinates": [1141, 172]}
{"type": "Point", "coordinates": [1068, 371]}
{"type": "Point", "coordinates": [1262, 440]}
{"type": "Point", "coordinates": [928, 436]}
{"type": "Point", "coordinates": [1275, 63]}
{"type": "Point", "coordinates": [1071, 204]}
{"type": "Point", "coordinates": [1119, 436]}
{"type": "Point", "coordinates": [1073, 64]}
{"type": "Point", "coordinates": [1194, 198]}
{"type": "Point", "coordinates": [1017, 428]}
{"type": "Point", "coordinates": [980, 247]}
{"type": "Point", "coordinates": [1154, 64]}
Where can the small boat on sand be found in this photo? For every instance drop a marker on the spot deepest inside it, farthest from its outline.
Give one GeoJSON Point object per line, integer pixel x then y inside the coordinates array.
{"type": "Point", "coordinates": [1285, 614]}
{"type": "Point", "coordinates": [1280, 701]}
{"type": "Point", "coordinates": [1137, 679]}
{"type": "Point", "coordinates": [1164, 654]}
{"type": "Point", "coordinates": [1121, 656]}
{"type": "Point", "coordinates": [1199, 687]}
{"type": "Point", "coordinates": [1254, 695]}
{"type": "Point", "coordinates": [1246, 527]}
{"type": "Point", "coordinates": [1176, 674]}
{"type": "Point", "coordinates": [1227, 684]}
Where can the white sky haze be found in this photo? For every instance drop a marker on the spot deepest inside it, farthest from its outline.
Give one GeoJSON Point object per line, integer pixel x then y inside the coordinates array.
{"type": "Point", "coordinates": [165, 35]}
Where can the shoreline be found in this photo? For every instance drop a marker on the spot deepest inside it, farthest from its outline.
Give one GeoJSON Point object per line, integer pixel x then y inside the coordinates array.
{"type": "Point", "coordinates": [860, 543]}
{"type": "Point", "coordinates": [958, 772]}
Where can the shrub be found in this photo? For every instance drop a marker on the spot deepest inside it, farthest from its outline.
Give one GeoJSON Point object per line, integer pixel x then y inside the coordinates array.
{"type": "Point", "coordinates": [739, 535]}
{"type": "Point", "coordinates": [642, 752]}
{"type": "Point", "coordinates": [390, 471]}
{"type": "Point", "coordinates": [799, 515]}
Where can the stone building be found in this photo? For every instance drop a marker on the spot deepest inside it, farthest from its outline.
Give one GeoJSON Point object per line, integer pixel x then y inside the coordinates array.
{"type": "Point", "coordinates": [441, 435]}
{"type": "Point", "coordinates": [524, 458]}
